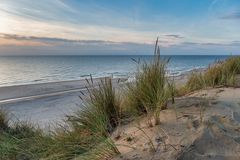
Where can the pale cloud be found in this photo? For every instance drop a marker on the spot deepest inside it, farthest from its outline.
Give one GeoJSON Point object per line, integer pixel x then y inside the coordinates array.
{"type": "Point", "coordinates": [51, 41]}
{"type": "Point", "coordinates": [21, 45]}
{"type": "Point", "coordinates": [59, 26]}
{"type": "Point", "coordinates": [12, 42]}
{"type": "Point", "coordinates": [18, 18]}
{"type": "Point", "coordinates": [233, 16]}
{"type": "Point", "coordinates": [17, 25]}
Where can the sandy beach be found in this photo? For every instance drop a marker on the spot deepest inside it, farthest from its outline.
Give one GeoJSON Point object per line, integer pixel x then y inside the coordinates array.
{"type": "Point", "coordinates": [47, 104]}
{"type": "Point", "coordinates": [43, 104]}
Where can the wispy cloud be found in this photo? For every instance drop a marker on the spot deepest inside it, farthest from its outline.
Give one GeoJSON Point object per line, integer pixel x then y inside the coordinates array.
{"type": "Point", "coordinates": [46, 46]}
{"type": "Point", "coordinates": [233, 15]}
{"type": "Point", "coordinates": [54, 41]}
{"type": "Point", "coordinates": [49, 40]}
{"type": "Point", "coordinates": [116, 25]}
{"type": "Point", "coordinates": [18, 40]}
{"type": "Point", "coordinates": [14, 40]}
{"type": "Point", "coordinates": [174, 36]}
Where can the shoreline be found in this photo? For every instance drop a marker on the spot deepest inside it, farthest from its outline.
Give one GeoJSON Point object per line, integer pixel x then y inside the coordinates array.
{"type": "Point", "coordinates": [39, 82]}
{"type": "Point", "coordinates": [46, 104]}
{"type": "Point", "coordinates": [35, 89]}
{"type": "Point", "coordinates": [41, 89]}
{"type": "Point", "coordinates": [184, 129]}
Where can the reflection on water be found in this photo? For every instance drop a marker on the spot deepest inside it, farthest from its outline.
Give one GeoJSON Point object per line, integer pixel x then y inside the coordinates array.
{"type": "Point", "coordinates": [25, 70]}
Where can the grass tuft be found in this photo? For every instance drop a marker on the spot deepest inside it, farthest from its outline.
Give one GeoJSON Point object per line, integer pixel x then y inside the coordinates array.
{"type": "Point", "coordinates": [87, 138]}
{"type": "Point", "coordinates": [151, 90]}
{"type": "Point", "coordinates": [98, 119]}
{"type": "Point", "coordinates": [222, 73]}
{"type": "Point", "coordinates": [3, 120]}
{"type": "Point", "coordinates": [101, 111]}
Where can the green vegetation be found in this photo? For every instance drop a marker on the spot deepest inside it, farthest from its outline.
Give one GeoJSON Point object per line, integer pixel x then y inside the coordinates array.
{"type": "Point", "coordinates": [88, 135]}
{"type": "Point", "coordinates": [87, 138]}
{"type": "Point", "coordinates": [102, 106]}
{"type": "Point", "coordinates": [98, 119]}
{"type": "Point", "coordinates": [21, 141]}
{"type": "Point", "coordinates": [151, 90]}
{"type": "Point", "coordinates": [3, 120]}
{"type": "Point", "coordinates": [223, 73]}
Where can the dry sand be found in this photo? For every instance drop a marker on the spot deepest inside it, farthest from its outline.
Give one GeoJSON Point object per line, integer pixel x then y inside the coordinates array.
{"type": "Point", "coordinates": [203, 125]}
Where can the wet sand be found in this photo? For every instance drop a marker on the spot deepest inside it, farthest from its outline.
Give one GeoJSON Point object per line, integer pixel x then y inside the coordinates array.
{"type": "Point", "coordinates": [43, 104]}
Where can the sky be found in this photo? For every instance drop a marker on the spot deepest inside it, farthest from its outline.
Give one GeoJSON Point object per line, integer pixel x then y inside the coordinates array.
{"type": "Point", "coordinates": [119, 27]}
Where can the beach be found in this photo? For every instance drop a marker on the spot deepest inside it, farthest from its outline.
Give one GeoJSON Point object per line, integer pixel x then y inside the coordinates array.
{"type": "Point", "coordinates": [44, 95]}
{"type": "Point", "coordinates": [45, 104]}
{"type": "Point", "coordinates": [202, 123]}
{"type": "Point", "coordinates": [119, 80]}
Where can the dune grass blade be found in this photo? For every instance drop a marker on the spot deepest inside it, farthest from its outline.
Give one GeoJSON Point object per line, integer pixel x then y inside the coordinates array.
{"type": "Point", "coordinates": [3, 120]}
{"type": "Point", "coordinates": [99, 117]}
{"type": "Point", "coordinates": [150, 92]}
{"type": "Point", "coordinates": [101, 111]}
{"type": "Point", "coordinates": [22, 141]}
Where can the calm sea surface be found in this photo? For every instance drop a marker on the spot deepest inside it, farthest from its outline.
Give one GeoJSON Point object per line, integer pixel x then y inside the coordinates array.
{"type": "Point", "coordinates": [40, 69]}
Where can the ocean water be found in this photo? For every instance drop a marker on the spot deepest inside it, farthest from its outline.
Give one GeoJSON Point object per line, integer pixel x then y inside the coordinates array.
{"type": "Point", "coordinates": [41, 69]}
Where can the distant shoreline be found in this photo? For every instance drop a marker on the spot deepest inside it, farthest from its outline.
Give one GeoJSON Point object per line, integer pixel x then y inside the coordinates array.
{"type": "Point", "coordinates": [95, 78]}
{"type": "Point", "coordinates": [44, 69]}
{"type": "Point", "coordinates": [40, 90]}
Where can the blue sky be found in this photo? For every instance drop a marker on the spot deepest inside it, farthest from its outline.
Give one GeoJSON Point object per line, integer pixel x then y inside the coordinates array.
{"type": "Point", "coordinates": [94, 27]}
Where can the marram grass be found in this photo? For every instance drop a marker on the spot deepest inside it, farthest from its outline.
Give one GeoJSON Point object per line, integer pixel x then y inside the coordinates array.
{"type": "Point", "coordinates": [151, 90]}
{"type": "Point", "coordinates": [88, 138]}
{"type": "Point", "coordinates": [222, 73]}
{"type": "Point", "coordinates": [89, 133]}
{"type": "Point", "coordinates": [3, 120]}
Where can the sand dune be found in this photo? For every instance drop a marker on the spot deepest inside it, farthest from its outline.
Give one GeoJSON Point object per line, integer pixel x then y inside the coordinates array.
{"type": "Point", "coordinates": [203, 125]}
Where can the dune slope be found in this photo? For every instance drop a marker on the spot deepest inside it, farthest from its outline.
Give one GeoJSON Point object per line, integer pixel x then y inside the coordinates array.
{"type": "Point", "coordinates": [203, 125]}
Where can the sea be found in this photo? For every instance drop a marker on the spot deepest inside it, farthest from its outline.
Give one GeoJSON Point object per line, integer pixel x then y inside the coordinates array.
{"type": "Point", "coordinates": [19, 70]}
